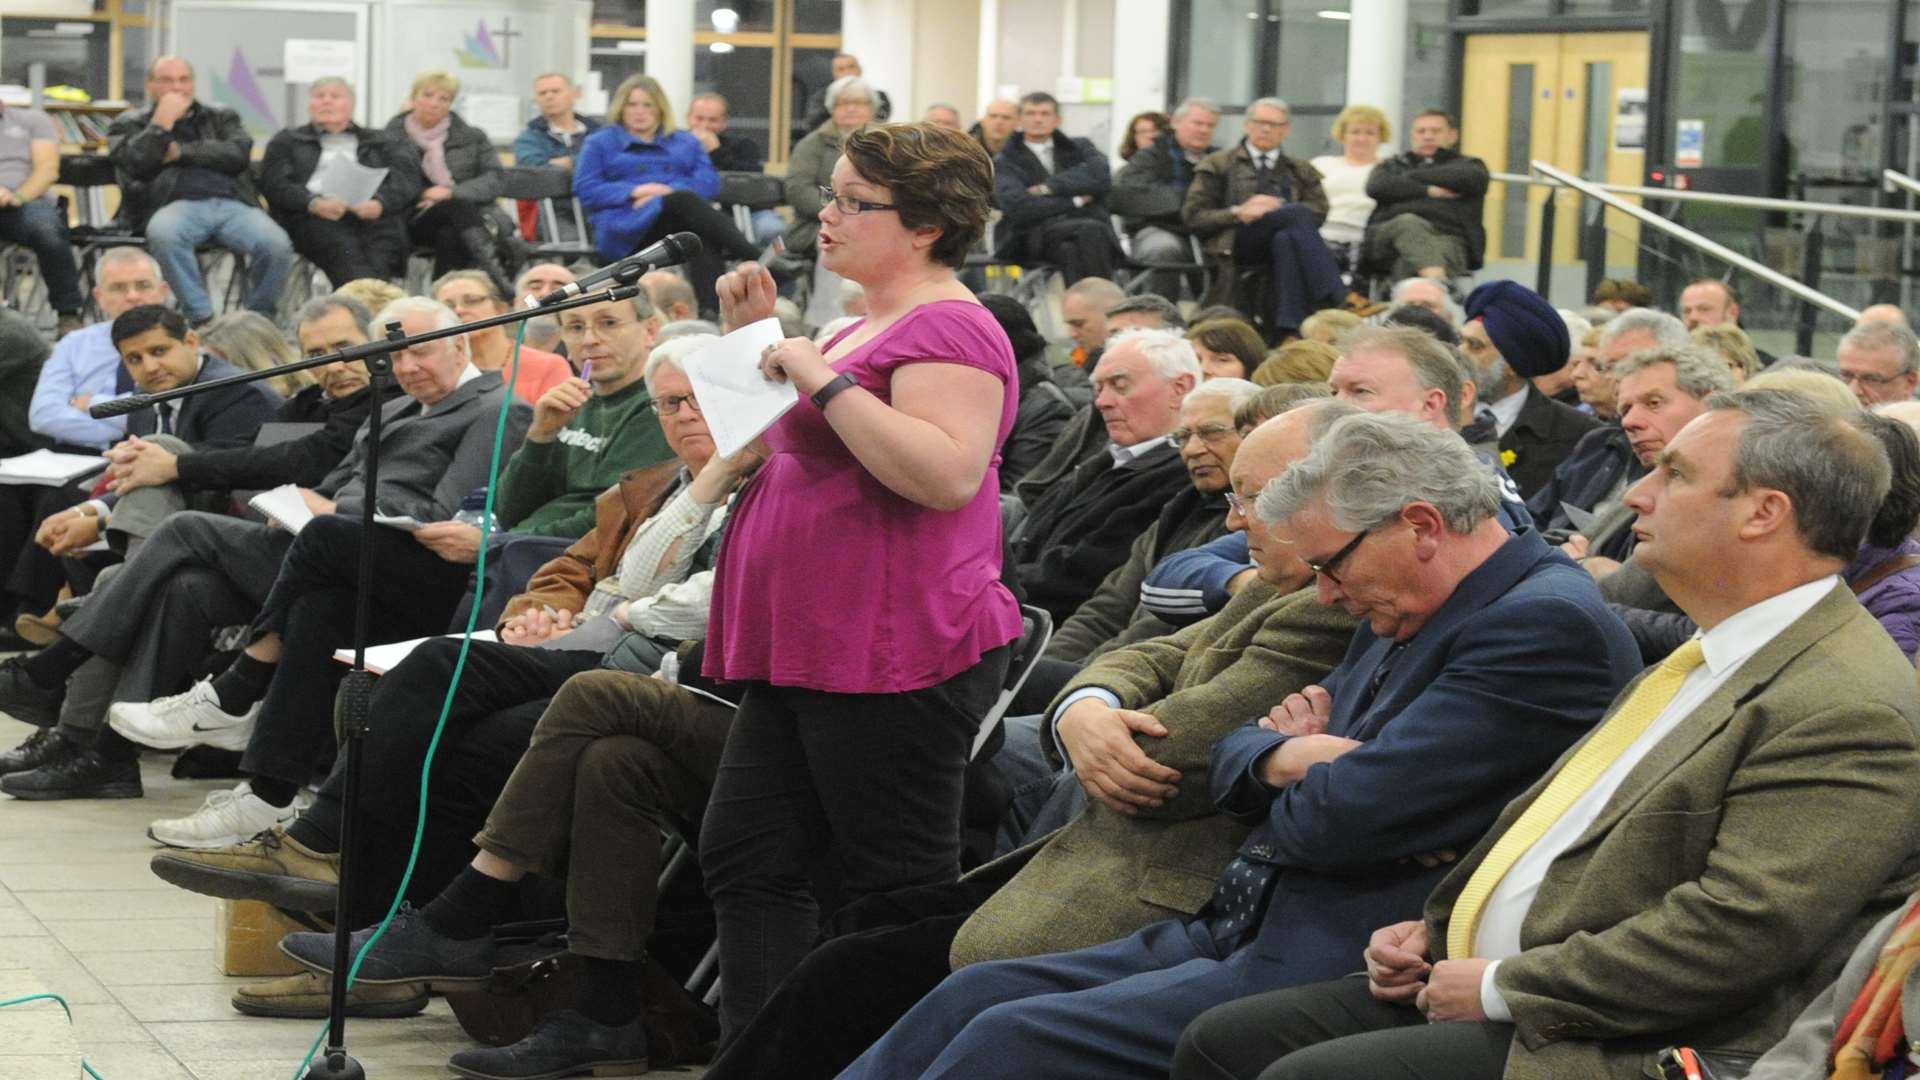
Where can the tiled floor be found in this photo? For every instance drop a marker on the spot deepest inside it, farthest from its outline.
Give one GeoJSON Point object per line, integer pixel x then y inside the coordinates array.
{"type": "Point", "coordinates": [81, 916]}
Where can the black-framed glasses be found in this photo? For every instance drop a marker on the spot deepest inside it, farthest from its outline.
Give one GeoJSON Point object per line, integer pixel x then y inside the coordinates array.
{"type": "Point", "coordinates": [669, 405]}
{"type": "Point", "coordinates": [847, 204]}
{"type": "Point", "coordinates": [1325, 569]}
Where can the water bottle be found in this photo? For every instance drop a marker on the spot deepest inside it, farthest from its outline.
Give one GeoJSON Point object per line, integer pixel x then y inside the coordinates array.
{"type": "Point", "coordinates": [473, 511]}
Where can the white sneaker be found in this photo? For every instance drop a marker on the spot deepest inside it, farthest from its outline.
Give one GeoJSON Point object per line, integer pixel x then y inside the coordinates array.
{"type": "Point", "coordinates": [225, 819]}
{"type": "Point", "coordinates": [183, 720]}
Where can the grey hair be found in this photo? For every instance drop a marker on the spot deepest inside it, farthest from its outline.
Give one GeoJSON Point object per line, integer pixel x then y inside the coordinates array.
{"type": "Point", "coordinates": [1162, 308]}
{"type": "Point", "coordinates": [674, 352]}
{"type": "Point", "coordinates": [1326, 413]}
{"type": "Point", "coordinates": [1168, 354]}
{"type": "Point", "coordinates": [1877, 334]}
{"type": "Point", "coordinates": [849, 82]}
{"type": "Point", "coordinates": [1697, 372]}
{"type": "Point", "coordinates": [1398, 295]}
{"type": "Point", "coordinates": [443, 316]}
{"type": "Point", "coordinates": [1270, 103]}
{"type": "Point", "coordinates": [1833, 472]}
{"type": "Point", "coordinates": [1236, 392]}
{"type": "Point", "coordinates": [1577, 327]}
{"type": "Point", "coordinates": [683, 327]}
{"type": "Point", "coordinates": [321, 306]}
{"type": "Point", "coordinates": [126, 253]}
{"type": "Point", "coordinates": [1436, 365]}
{"type": "Point", "coordinates": [326, 82]}
{"type": "Point", "coordinates": [1368, 467]}
{"type": "Point", "coordinates": [1667, 332]}
{"type": "Point", "coordinates": [1204, 104]}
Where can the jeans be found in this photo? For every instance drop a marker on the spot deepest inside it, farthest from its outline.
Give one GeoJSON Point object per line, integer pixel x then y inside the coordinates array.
{"type": "Point", "coordinates": [177, 229]}
{"type": "Point", "coordinates": [768, 224]}
{"type": "Point", "coordinates": [874, 779]}
{"type": "Point", "coordinates": [40, 226]}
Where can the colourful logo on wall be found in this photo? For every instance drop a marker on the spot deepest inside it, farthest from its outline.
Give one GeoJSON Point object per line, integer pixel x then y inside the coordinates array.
{"type": "Point", "coordinates": [240, 91]}
{"type": "Point", "coordinates": [481, 50]}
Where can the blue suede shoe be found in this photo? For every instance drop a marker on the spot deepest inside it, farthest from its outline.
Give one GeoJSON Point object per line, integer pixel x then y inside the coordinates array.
{"type": "Point", "coordinates": [563, 1043]}
{"type": "Point", "coordinates": [410, 951]}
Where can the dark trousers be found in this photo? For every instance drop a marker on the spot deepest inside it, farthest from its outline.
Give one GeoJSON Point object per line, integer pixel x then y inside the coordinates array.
{"type": "Point", "coordinates": [684, 211]}
{"type": "Point", "coordinates": [891, 952]}
{"type": "Point", "coordinates": [1305, 275]}
{"type": "Point", "coordinates": [350, 249]}
{"type": "Point", "coordinates": [448, 228]}
{"type": "Point", "coordinates": [1044, 683]}
{"type": "Point", "coordinates": [1335, 1029]}
{"type": "Point", "coordinates": [33, 577]}
{"type": "Point", "coordinates": [311, 607]}
{"type": "Point", "coordinates": [617, 758]}
{"type": "Point", "coordinates": [43, 228]}
{"type": "Point", "coordinates": [503, 691]}
{"type": "Point", "coordinates": [873, 780]}
{"type": "Point", "coordinates": [1080, 247]}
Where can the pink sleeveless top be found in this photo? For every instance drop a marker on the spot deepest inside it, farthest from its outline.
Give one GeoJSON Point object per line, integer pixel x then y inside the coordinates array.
{"type": "Point", "coordinates": [829, 581]}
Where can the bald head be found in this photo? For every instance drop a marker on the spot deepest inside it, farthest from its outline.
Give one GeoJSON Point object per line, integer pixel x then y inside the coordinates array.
{"type": "Point", "coordinates": [1268, 451]}
{"type": "Point", "coordinates": [1885, 313]}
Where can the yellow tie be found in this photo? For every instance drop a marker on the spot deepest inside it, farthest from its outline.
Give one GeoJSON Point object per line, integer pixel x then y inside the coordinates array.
{"type": "Point", "coordinates": [1627, 723]}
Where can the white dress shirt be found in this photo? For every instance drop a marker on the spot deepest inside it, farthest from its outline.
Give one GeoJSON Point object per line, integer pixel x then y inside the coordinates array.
{"type": "Point", "coordinates": [1124, 454]}
{"type": "Point", "coordinates": [1043, 151]}
{"type": "Point", "coordinates": [1506, 411]}
{"type": "Point", "coordinates": [1726, 647]}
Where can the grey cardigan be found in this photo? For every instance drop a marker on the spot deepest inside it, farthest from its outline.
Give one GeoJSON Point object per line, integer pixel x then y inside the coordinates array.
{"type": "Point", "coordinates": [429, 463]}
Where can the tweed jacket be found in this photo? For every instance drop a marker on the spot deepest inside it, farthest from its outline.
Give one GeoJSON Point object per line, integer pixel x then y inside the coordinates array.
{"type": "Point", "coordinates": [1227, 178]}
{"type": "Point", "coordinates": [1721, 886]}
{"type": "Point", "coordinates": [1105, 875]}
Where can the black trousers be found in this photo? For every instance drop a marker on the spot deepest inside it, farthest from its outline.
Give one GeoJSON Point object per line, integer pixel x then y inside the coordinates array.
{"type": "Point", "coordinates": [891, 952]}
{"type": "Point", "coordinates": [503, 691]}
{"type": "Point", "coordinates": [1335, 1029]}
{"type": "Point", "coordinates": [684, 211]}
{"type": "Point", "coordinates": [447, 228]}
{"type": "Point", "coordinates": [871, 781]}
{"type": "Point", "coordinates": [350, 249]}
{"type": "Point", "coordinates": [1080, 247]}
{"type": "Point", "coordinates": [33, 576]}
{"type": "Point", "coordinates": [1302, 276]}
{"type": "Point", "coordinates": [311, 607]}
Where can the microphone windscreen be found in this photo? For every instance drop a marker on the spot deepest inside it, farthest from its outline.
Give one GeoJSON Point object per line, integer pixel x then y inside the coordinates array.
{"type": "Point", "coordinates": [119, 406]}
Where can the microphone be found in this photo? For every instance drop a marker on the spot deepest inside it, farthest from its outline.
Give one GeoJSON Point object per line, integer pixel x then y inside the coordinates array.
{"type": "Point", "coordinates": [120, 406]}
{"type": "Point", "coordinates": [672, 250]}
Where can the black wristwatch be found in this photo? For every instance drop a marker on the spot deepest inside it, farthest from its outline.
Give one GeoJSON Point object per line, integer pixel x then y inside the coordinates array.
{"type": "Point", "coordinates": [827, 392]}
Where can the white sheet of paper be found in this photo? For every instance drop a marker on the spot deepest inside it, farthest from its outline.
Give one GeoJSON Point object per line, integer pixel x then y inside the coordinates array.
{"type": "Point", "coordinates": [396, 521]}
{"type": "Point", "coordinates": [738, 402]}
{"type": "Point", "coordinates": [384, 658]}
{"type": "Point", "coordinates": [284, 505]}
{"type": "Point", "coordinates": [1581, 520]}
{"type": "Point", "coordinates": [48, 469]}
{"type": "Point", "coordinates": [345, 179]}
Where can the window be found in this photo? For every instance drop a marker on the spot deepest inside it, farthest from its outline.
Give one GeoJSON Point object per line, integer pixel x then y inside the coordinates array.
{"type": "Point", "coordinates": [1836, 82]}
{"type": "Point", "coordinates": [1719, 81]}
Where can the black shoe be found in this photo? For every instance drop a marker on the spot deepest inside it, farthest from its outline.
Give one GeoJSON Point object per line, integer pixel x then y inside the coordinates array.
{"type": "Point", "coordinates": [410, 951]}
{"type": "Point", "coordinates": [563, 1043]}
{"type": "Point", "coordinates": [77, 774]}
{"type": "Point", "coordinates": [42, 747]}
{"type": "Point", "coordinates": [11, 641]}
{"type": "Point", "coordinates": [26, 700]}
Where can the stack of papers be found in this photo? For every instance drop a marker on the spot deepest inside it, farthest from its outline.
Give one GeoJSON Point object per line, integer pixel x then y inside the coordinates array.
{"type": "Point", "coordinates": [384, 658]}
{"type": "Point", "coordinates": [285, 506]}
{"type": "Point", "coordinates": [737, 401]}
{"type": "Point", "coordinates": [48, 469]}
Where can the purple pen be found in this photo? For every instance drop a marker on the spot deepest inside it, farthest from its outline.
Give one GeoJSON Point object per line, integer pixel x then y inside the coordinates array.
{"type": "Point", "coordinates": [586, 371]}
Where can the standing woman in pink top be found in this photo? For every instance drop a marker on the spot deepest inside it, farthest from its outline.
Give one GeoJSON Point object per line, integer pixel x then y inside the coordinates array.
{"type": "Point", "coordinates": [857, 599]}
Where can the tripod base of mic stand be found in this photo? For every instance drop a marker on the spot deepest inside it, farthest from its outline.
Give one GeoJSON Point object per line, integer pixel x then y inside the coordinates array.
{"type": "Point", "coordinates": [335, 1066]}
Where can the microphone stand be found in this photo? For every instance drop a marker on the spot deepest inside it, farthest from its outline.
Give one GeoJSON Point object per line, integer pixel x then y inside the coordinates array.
{"type": "Point", "coordinates": [334, 1063]}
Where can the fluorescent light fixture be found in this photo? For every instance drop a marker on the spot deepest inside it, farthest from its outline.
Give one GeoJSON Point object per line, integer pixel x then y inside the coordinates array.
{"type": "Point", "coordinates": [725, 20]}
{"type": "Point", "coordinates": [720, 47]}
{"type": "Point", "coordinates": [1339, 16]}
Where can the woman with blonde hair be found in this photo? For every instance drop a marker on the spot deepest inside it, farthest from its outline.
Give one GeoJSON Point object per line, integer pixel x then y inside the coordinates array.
{"type": "Point", "coordinates": [641, 180]}
{"type": "Point", "coordinates": [1731, 344]}
{"type": "Point", "coordinates": [249, 340]}
{"type": "Point", "coordinates": [1360, 129]}
{"type": "Point", "coordinates": [455, 215]}
{"type": "Point", "coordinates": [1297, 362]}
{"type": "Point", "coordinates": [1327, 325]}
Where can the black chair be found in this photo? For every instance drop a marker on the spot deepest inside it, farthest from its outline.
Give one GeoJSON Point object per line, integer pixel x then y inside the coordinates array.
{"type": "Point", "coordinates": [551, 189]}
{"type": "Point", "coordinates": [742, 193]}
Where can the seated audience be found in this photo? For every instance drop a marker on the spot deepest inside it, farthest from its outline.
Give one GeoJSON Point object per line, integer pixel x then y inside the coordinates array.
{"type": "Point", "coordinates": [1150, 190]}
{"type": "Point", "coordinates": [199, 571]}
{"type": "Point", "coordinates": [1731, 344]}
{"type": "Point", "coordinates": [252, 342]}
{"type": "Point", "coordinates": [1880, 361]}
{"type": "Point", "coordinates": [539, 279]}
{"type": "Point", "coordinates": [707, 120]}
{"type": "Point", "coordinates": [1052, 193]}
{"type": "Point", "coordinates": [1558, 384]}
{"type": "Point", "coordinates": [1885, 313]}
{"type": "Point", "coordinates": [454, 213]}
{"type": "Point", "coordinates": [810, 172]}
{"type": "Point", "coordinates": [1045, 409]}
{"type": "Point", "coordinates": [1227, 348]}
{"type": "Point", "coordinates": [1352, 785]}
{"type": "Point", "coordinates": [942, 114]}
{"type": "Point", "coordinates": [672, 297]}
{"type": "Point", "coordinates": [374, 294]}
{"type": "Point", "coordinates": [367, 239]}
{"type": "Point", "coordinates": [1297, 362]}
{"type": "Point", "coordinates": [999, 119]}
{"type": "Point", "coordinates": [1260, 211]}
{"type": "Point", "coordinates": [1083, 308]}
{"type": "Point", "coordinates": [1092, 880]}
{"type": "Point", "coordinates": [1713, 302]}
{"type": "Point", "coordinates": [1426, 293]}
{"type": "Point", "coordinates": [1606, 914]}
{"type": "Point", "coordinates": [472, 295]}
{"type": "Point", "coordinates": [1512, 335]}
{"type": "Point", "coordinates": [1427, 221]}
{"type": "Point", "coordinates": [1081, 528]}
{"type": "Point", "coordinates": [29, 166]}
{"type": "Point", "coordinates": [1327, 325]}
{"type": "Point", "coordinates": [642, 180]}
{"type": "Point", "coordinates": [1589, 377]}
{"type": "Point", "coordinates": [1619, 294]}
{"type": "Point", "coordinates": [1143, 131]}
{"type": "Point", "coordinates": [846, 66]}
{"type": "Point", "coordinates": [553, 138]}
{"type": "Point", "coordinates": [23, 353]}
{"type": "Point", "coordinates": [185, 181]}
{"type": "Point", "coordinates": [1360, 130]}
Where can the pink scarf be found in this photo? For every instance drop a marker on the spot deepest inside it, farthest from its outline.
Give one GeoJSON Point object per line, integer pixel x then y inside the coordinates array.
{"type": "Point", "coordinates": [433, 148]}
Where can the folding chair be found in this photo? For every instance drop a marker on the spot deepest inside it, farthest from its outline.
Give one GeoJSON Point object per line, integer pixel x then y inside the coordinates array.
{"type": "Point", "coordinates": [548, 188]}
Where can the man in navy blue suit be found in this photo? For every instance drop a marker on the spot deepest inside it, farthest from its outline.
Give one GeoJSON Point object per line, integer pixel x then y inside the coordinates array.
{"type": "Point", "coordinates": [1485, 654]}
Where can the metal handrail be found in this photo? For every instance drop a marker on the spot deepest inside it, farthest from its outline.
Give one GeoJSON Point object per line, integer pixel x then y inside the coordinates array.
{"type": "Point", "coordinates": [1894, 178]}
{"type": "Point", "coordinates": [1603, 194]}
{"type": "Point", "coordinates": [1750, 202]}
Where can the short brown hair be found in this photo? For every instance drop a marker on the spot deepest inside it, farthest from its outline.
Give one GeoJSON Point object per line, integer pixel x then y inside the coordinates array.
{"type": "Point", "coordinates": [1233, 337]}
{"type": "Point", "coordinates": [935, 176]}
{"type": "Point", "coordinates": [1624, 290]}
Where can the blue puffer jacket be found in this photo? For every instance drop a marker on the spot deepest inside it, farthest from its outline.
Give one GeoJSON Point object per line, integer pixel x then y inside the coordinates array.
{"type": "Point", "coordinates": [613, 162]}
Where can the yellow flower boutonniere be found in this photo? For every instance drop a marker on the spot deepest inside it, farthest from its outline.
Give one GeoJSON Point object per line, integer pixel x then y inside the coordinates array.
{"type": "Point", "coordinates": [1507, 458]}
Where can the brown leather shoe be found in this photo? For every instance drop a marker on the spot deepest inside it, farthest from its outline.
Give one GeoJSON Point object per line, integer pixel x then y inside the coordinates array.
{"type": "Point", "coordinates": [1362, 306]}
{"type": "Point", "coordinates": [38, 630]}
{"type": "Point", "coordinates": [272, 867]}
{"type": "Point", "coordinates": [304, 997]}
